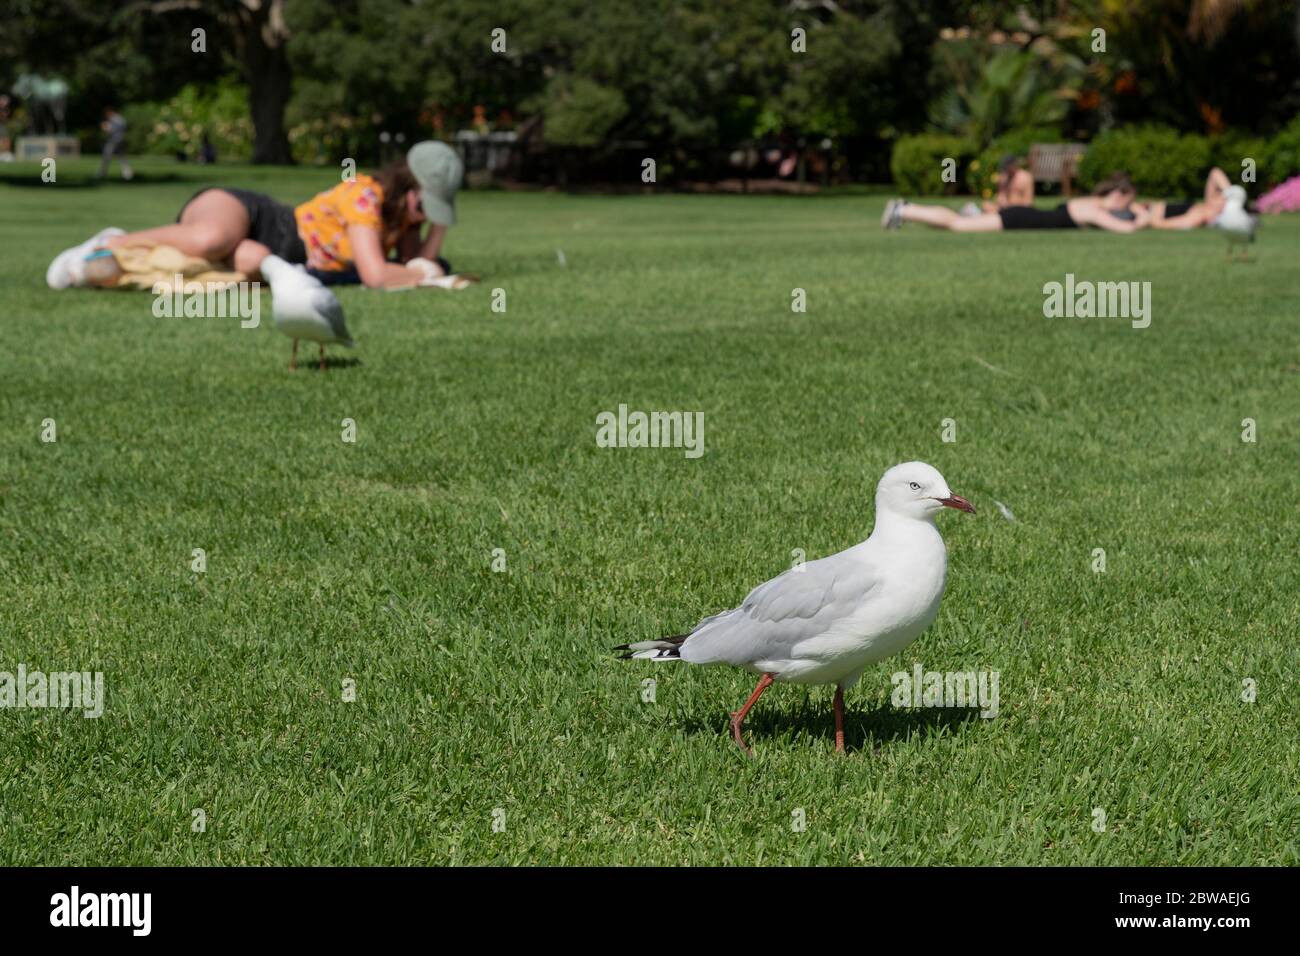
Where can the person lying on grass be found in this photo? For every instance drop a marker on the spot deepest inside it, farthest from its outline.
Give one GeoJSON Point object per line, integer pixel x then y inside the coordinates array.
{"type": "Point", "coordinates": [1192, 214]}
{"type": "Point", "coordinates": [345, 234]}
{"type": "Point", "coordinates": [1113, 195]}
{"type": "Point", "coordinates": [1015, 185]}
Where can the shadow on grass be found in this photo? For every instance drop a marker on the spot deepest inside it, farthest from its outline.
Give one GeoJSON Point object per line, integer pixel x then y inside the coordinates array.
{"type": "Point", "coordinates": [331, 362]}
{"type": "Point", "coordinates": [87, 182]}
{"type": "Point", "coordinates": [879, 727]}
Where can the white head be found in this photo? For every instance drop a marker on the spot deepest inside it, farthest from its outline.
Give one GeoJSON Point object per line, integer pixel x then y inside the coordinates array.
{"type": "Point", "coordinates": [916, 490]}
{"type": "Point", "coordinates": [1234, 196]}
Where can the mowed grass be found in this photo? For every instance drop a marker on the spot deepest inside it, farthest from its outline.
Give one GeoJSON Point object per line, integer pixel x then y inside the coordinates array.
{"type": "Point", "coordinates": [487, 697]}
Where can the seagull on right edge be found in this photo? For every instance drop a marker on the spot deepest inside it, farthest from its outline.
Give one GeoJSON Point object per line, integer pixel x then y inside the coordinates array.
{"type": "Point", "coordinates": [1236, 221]}
{"type": "Point", "coordinates": [825, 621]}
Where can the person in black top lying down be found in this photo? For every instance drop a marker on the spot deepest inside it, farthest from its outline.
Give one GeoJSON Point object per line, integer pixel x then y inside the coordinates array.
{"type": "Point", "coordinates": [1113, 195]}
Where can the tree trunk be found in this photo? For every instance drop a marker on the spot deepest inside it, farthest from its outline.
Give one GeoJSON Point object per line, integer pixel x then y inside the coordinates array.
{"type": "Point", "coordinates": [270, 83]}
{"type": "Point", "coordinates": [260, 37]}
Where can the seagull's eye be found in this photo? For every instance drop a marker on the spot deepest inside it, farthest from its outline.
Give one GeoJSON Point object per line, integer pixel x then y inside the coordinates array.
{"type": "Point", "coordinates": [914, 486]}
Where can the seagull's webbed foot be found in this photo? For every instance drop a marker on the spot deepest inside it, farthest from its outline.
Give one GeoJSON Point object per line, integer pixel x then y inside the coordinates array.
{"type": "Point", "coordinates": [736, 721]}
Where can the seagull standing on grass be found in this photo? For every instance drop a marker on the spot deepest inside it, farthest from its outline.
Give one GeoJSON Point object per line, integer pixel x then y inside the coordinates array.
{"type": "Point", "coordinates": [302, 308]}
{"type": "Point", "coordinates": [1235, 221]}
{"type": "Point", "coordinates": [825, 621]}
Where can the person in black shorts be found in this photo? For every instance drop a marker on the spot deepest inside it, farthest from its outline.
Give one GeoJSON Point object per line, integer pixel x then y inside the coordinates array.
{"type": "Point", "coordinates": [384, 230]}
{"type": "Point", "coordinates": [1193, 214]}
{"type": "Point", "coordinates": [270, 222]}
{"type": "Point", "coordinates": [1031, 217]}
{"type": "Point", "coordinates": [1114, 195]}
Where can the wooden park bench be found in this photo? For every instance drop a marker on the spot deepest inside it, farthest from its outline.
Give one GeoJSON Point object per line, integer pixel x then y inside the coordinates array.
{"type": "Point", "coordinates": [1055, 163]}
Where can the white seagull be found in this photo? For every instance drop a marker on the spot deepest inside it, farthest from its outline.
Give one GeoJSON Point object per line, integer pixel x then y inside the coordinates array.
{"type": "Point", "coordinates": [1236, 221]}
{"type": "Point", "coordinates": [825, 621]}
{"type": "Point", "coordinates": [302, 308]}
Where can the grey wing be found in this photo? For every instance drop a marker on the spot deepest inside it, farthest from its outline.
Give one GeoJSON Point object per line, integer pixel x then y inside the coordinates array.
{"type": "Point", "coordinates": [777, 615]}
{"type": "Point", "coordinates": [325, 303]}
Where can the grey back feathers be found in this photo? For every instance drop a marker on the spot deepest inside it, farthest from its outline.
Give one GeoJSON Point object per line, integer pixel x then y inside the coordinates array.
{"type": "Point", "coordinates": [324, 302]}
{"type": "Point", "coordinates": [775, 616]}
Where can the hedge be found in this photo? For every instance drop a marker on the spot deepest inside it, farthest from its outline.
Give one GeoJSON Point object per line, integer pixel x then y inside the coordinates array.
{"type": "Point", "coordinates": [1162, 161]}
{"type": "Point", "coordinates": [917, 163]}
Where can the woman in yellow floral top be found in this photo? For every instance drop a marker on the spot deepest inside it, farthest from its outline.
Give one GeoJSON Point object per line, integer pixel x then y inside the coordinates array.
{"type": "Point", "coordinates": [365, 228]}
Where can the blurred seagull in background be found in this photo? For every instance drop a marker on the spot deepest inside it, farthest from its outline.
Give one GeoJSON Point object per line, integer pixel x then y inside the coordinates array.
{"type": "Point", "coordinates": [302, 308]}
{"type": "Point", "coordinates": [1236, 221]}
{"type": "Point", "coordinates": [825, 621]}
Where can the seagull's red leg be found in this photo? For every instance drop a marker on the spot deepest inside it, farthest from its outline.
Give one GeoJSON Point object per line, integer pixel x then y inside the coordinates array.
{"type": "Point", "coordinates": [738, 717]}
{"type": "Point", "coordinates": [839, 719]}
{"type": "Point", "coordinates": [293, 356]}
{"type": "Point", "coordinates": [322, 356]}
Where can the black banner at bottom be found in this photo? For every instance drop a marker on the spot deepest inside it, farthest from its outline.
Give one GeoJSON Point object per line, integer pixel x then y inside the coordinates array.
{"type": "Point", "coordinates": [335, 906]}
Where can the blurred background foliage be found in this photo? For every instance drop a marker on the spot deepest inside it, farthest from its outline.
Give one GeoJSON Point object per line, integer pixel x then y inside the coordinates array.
{"type": "Point", "coordinates": [882, 85]}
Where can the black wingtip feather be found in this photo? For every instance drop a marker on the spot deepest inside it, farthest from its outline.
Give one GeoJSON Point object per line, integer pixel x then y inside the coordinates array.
{"type": "Point", "coordinates": [665, 652]}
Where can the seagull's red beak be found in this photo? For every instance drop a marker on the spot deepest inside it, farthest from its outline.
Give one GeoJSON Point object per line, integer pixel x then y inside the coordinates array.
{"type": "Point", "coordinates": [958, 502]}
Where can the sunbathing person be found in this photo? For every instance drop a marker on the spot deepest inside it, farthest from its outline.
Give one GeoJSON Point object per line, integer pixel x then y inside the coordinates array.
{"type": "Point", "coordinates": [1015, 185]}
{"type": "Point", "coordinates": [346, 233]}
{"type": "Point", "coordinates": [1114, 195]}
{"type": "Point", "coordinates": [1192, 214]}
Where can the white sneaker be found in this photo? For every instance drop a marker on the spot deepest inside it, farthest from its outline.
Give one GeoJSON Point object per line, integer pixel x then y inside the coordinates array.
{"type": "Point", "coordinates": [892, 217]}
{"type": "Point", "coordinates": [66, 269]}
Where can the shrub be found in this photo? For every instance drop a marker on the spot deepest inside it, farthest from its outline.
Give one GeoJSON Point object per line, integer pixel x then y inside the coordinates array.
{"type": "Point", "coordinates": [981, 175]}
{"type": "Point", "coordinates": [177, 126]}
{"type": "Point", "coordinates": [580, 111]}
{"type": "Point", "coordinates": [917, 163]}
{"type": "Point", "coordinates": [1281, 155]}
{"type": "Point", "coordinates": [326, 141]}
{"type": "Point", "coordinates": [1228, 150]}
{"type": "Point", "coordinates": [1162, 161]}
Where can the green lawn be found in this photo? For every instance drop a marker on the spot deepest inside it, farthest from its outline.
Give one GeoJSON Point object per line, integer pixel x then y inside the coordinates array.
{"type": "Point", "coordinates": [478, 690]}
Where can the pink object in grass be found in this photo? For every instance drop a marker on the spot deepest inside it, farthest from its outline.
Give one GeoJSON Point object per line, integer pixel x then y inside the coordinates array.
{"type": "Point", "coordinates": [1283, 198]}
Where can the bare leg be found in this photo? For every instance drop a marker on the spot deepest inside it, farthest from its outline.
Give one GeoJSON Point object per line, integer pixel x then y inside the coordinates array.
{"type": "Point", "coordinates": [211, 227]}
{"type": "Point", "coordinates": [941, 217]}
{"type": "Point", "coordinates": [738, 717]}
{"type": "Point", "coordinates": [1157, 210]}
{"type": "Point", "coordinates": [293, 356]}
{"type": "Point", "coordinates": [839, 719]}
{"type": "Point", "coordinates": [248, 256]}
{"type": "Point", "coordinates": [1215, 184]}
{"type": "Point", "coordinates": [988, 222]}
{"type": "Point", "coordinates": [1199, 215]}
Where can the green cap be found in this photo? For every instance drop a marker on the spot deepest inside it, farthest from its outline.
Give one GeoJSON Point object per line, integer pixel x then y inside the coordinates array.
{"type": "Point", "coordinates": [439, 172]}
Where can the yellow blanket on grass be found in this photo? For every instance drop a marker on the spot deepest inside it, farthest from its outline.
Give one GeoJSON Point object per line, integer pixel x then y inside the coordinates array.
{"type": "Point", "coordinates": [148, 266]}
